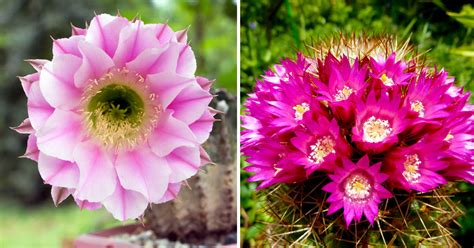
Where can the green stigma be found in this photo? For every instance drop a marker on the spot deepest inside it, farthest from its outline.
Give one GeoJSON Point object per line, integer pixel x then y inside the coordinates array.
{"type": "Point", "coordinates": [117, 104]}
{"type": "Point", "coordinates": [119, 110]}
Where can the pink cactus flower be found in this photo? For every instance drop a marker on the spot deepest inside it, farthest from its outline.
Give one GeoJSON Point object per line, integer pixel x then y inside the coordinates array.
{"type": "Point", "coordinates": [117, 117]}
{"type": "Point", "coordinates": [320, 113]}
{"type": "Point", "coordinates": [318, 145]}
{"type": "Point", "coordinates": [416, 167]}
{"type": "Point", "coordinates": [378, 122]}
{"type": "Point", "coordinates": [358, 189]}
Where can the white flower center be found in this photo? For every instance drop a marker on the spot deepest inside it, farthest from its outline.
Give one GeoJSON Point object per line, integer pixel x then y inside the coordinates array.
{"type": "Point", "coordinates": [357, 188]}
{"type": "Point", "coordinates": [343, 94]}
{"type": "Point", "coordinates": [411, 172]}
{"type": "Point", "coordinates": [321, 149]}
{"type": "Point", "coordinates": [300, 109]}
{"type": "Point", "coordinates": [387, 80]}
{"type": "Point", "coordinates": [376, 130]}
{"type": "Point", "coordinates": [418, 107]}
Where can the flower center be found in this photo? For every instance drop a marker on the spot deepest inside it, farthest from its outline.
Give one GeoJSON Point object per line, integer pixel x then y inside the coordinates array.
{"type": "Point", "coordinates": [321, 149]}
{"type": "Point", "coordinates": [343, 94]}
{"type": "Point", "coordinates": [387, 80]}
{"type": "Point", "coordinates": [418, 107]}
{"type": "Point", "coordinates": [411, 172]}
{"type": "Point", "coordinates": [118, 109]}
{"type": "Point", "coordinates": [357, 188]}
{"type": "Point", "coordinates": [376, 130]}
{"type": "Point", "coordinates": [300, 109]}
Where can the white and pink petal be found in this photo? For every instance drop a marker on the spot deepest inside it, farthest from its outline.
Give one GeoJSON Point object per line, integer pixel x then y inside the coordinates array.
{"type": "Point", "coordinates": [57, 81]}
{"type": "Point", "coordinates": [125, 204]}
{"type": "Point", "coordinates": [95, 63]}
{"type": "Point", "coordinates": [184, 162]}
{"type": "Point", "coordinates": [32, 151]}
{"type": "Point", "coordinates": [167, 86]}
{"type": "Point", "coordinates": [202, 127]}
{"type": "Point", "coordinates": [56, 172]}
{"type": "Point", "coordinates": [61, 133]}
{"type": "Point", "coordinates": [190, 103]}
{"type": "Point", "coordinates": [170, 134]}
{"type": "Point", "coordinates": [97, 175]}
{"type": "Point", "coordinates": [142, 171]}
{"type": "Point", "coordinates": [38, 109]}
{"type": "Point", "coordinates": [104, 31]}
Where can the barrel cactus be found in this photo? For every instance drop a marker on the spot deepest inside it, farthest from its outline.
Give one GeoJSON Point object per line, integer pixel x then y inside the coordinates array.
{"type": "Point", "coordinates": [359, 142]}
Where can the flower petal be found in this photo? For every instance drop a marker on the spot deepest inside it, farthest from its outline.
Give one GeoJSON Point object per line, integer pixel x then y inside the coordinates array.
{"type": "Point", "coordinates": [24, 127]}
{"type": "Point", "coordinates": [97, 176]}
{"type": "Point", "coordinates": [38, 109]}
{"type": "Point", "coordinates": [167, 86]}
{"type": "Point", "coordinates": [145, 62]}
{"type": "Point", "coordinates": [58, 172]}
{"type": "Point", "coordinates": [134, 39]}
{"type": "Point", "coordinates": [144, 172]}
{"type": "Point", "coordinates": [32, 151]}
{"type": "Point", "coordinates": [87, 204]}
{"type": "Point", "coordinates": [125, 204]}
{"type": "Point", "coordinates": [67, 46]}
{"type": "Point", "coordinates": [95, 63]}
{"type": "Point", "coordinates": [27, 81]}
{"type": "Point", "coordinates": [186, 62]}
{"type": "Point", "coordinates": [59, 194]}
{"type": "Point", "coordinates": [171, 192]}
{"type": "Point", "coordinates": [57, 81]}
{"type": "Point", "coordinates": [170, 134]}
{"type": "Point", "coordinates": [60, 134]}
{"type": "Point", "coordinates": [104, 31]}
{"type": "Point", "coordinates": [190, 103]}
{"type": "Point", "coordinates": [202, 127]}
{"type": "Point", "coordinates": [184, 162]}
{"type": "Point", "coordinates": [164, 33]}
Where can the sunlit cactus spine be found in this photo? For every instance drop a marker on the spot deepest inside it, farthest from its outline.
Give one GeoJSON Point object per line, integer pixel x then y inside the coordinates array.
{"type": "Point", "coordinates": [359, 142]}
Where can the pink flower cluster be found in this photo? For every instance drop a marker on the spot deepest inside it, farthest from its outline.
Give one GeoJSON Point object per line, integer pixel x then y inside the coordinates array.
{"type": "Point", "coordinates": [372, 124]}
{"type": "Point", "coordinates": [117, 117]}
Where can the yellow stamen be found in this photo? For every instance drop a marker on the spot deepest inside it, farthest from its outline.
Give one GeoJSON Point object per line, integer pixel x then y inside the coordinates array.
{"type": "Point", "coordinates": [449, 137]}
{"type": "Point", "coordinates": [300, 109]}
{"type": "Point", "coordinates": [387, 80]}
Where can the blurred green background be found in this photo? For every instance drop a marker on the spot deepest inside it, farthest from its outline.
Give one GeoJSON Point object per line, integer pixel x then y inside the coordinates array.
{"type": "Point", "coordinates": [28, 217]}
{"type": "Point", "coordinates": [274, 29]}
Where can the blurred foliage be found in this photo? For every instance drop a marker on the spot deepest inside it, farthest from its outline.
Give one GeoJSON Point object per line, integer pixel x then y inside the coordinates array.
{"type": "Point", "coordinates": [47, 226]}
{"type": "Point", "coordinates": [271, 30]}
{"type": "Point", "coordinates": [26, 28]}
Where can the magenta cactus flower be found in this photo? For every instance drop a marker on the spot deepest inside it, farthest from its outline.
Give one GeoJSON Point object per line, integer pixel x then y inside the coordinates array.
{"type": "Point", "coordinates": [117, 117]}
{"type": "Point", "coordinates": [356, 99]}
{"type": "Point", "coordinates": [319, 145]}
{"type": "Point", "coordinates": [358, 189]}
{"type": "Point", "coordinates": [378, 122]}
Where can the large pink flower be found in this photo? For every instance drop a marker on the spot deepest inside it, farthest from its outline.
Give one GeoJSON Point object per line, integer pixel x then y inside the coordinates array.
{"type": "Point", "coordinates": [117, 117]}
